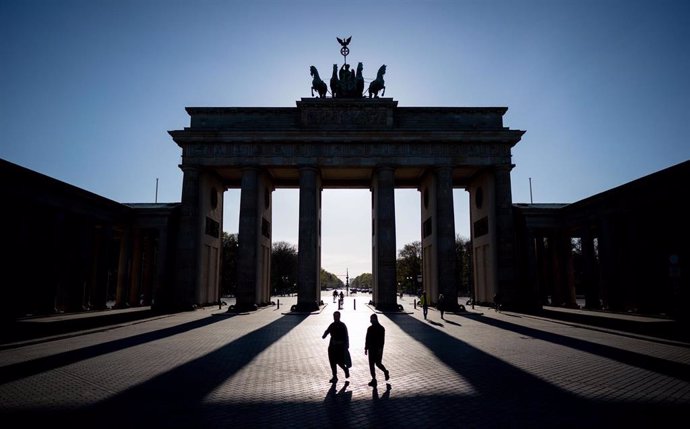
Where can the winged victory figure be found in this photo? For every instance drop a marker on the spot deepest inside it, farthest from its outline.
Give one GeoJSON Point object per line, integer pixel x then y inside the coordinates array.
{"type": "Point", "coordinates": [344, 42]}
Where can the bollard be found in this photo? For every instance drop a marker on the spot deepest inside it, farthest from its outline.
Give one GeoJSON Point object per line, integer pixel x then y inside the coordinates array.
{"type": "Point", "coordinates": [415, 304]}
{"type": "Point", "coordinates": [354, 304]}
{"type": "Point", "coordinates": [278, 304]}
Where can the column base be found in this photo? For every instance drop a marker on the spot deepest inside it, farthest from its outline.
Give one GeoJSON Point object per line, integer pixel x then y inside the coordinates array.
{"type": "Point", "coordinates": [449, 307]}
{"type": "Point", "coordinates": [388, 307]}
{"type": "Point", "coordinates": [242, 308]}
{"type": "Point", "coordinates": [305, 307]}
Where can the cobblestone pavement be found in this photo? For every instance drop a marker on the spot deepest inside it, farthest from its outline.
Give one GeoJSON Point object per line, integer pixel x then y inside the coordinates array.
{"type": "Point", "coordinates": [269, 368]}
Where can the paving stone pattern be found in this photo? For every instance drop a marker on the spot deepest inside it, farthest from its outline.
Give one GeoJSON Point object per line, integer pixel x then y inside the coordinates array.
{"type": "Point", "coordinates": [269, 368]}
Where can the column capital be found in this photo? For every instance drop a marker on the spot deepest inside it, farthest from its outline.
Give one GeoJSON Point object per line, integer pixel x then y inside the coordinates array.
{"type": "Point", "coordinates": [384, 167]}
{"type": "Point", "coordinates": [307, 167]}
{"type": "Point", "coordinates": [443, 167]}
{"type": "Point", "coordinates": [504, 167]}
{"type": "Point", "coordinates": [191, 168]}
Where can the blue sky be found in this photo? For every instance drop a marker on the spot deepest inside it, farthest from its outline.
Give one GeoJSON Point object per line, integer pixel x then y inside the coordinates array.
{"type": "Point", "coordinates": [89, 89]}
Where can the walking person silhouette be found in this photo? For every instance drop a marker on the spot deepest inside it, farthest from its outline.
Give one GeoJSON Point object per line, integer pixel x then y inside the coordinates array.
{"type": "Point", "coordinates": [338, 346]}
{"type": "Point", "coordinates": [373, 347]}
{"type": "Point", "coordinates": [425, 304]}
{"type": "Point", "coordinates": [441, 304]}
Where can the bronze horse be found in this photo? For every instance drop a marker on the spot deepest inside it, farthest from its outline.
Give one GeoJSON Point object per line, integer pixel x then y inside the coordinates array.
{"type": "Point", "coordinates": [335, 84]}
{"type": "Point", "coordinates": [317, 84]}
{"type": "Point", "coordinates": [378, 84]}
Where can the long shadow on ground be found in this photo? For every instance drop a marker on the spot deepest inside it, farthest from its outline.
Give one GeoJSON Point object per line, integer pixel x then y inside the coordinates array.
{"type": "Point", "coordinates": [504, 396]}
{"type": "Point", "coordinates": [651, 363]}
{"type": "Point", "coordinates": [28, 368]}
{"type": "Point", "coordinates": [38, 329]}
{"type": "Point", "coordinates": [174, 398]}
{"type": "Point", "coordinates": [666, 329]}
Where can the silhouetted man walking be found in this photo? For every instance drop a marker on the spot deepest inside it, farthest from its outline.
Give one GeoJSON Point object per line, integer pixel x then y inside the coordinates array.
{"type": "Point", "coordinates": [373, 346]}
{"type": "Point", "coordinates": [338, 347]}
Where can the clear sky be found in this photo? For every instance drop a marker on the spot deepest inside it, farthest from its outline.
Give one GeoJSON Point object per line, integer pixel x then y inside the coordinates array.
{"type": "Point", "coordinates": [89, 89]}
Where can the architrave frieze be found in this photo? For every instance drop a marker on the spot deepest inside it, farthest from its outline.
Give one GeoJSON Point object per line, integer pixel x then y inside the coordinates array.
{"type": "Point", "coordinates": [191, 137]}
{"type": "Point", "coordinates": [346, 154]}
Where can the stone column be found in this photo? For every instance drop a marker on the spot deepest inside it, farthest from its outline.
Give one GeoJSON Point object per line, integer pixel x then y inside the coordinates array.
{"type": "Point", "coordinates": [309, 246]}
{"type": "Point", "coordinates": [505, 236]}
{"type": "Point", "coordinates": [532, 287]}
{"type": "Point", "coordinates": [607, 263]}
{"type": "Point", "coordinates": [161, 294]}
{"type": "Point", "coordinates": [588, 258]}
{"type": "Point", "coordinates": [248, 241]}
{"type": "Point", "coordinates": [544, 266]}
{"type": "Point", "coordinates": [558, 269]}
{"type": "Point", "coordinates": [96, 286]}
{"type": "Point", "coordinates": [188, 241]}
{"type": "Point", "coordinates": [135, 277]}
{"type": "Point", "coordinates": [122, 283]}
{"type": "Point", "coordinates": [385, 290]}
{"type": "Point", "coordinates": [445, 228]}
{"type": "Point", "coordinates": [569, 266]}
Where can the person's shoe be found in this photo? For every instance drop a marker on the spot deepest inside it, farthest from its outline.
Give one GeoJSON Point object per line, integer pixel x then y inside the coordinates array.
{"type": "Point", "coordinates": [333, 380]}
{"type": "Point", "coordinates": [387, 375]}
{"type": "Point", "coordinates": [372, 382]}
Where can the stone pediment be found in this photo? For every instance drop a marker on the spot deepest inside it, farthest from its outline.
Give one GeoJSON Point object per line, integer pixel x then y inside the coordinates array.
{"type": "Point", "coordinates": [346, 114]}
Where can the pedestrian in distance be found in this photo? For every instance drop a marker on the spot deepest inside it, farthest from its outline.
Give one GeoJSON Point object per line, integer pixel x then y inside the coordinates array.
{"type": "Point", "coordinates": [498, 302]}
{"type": "Point", "coordinates": [441, 304]}
{"type": "Point", "coordinates": [341, 301]}
{"type": "Point", "coordinates": [425, 304]}
{"type": "Point", "coordinates": [338, 347]}
{"type": "Point", "coordinates": [335, 295]}
{"type": "Point", "coordinates": [373, 347]}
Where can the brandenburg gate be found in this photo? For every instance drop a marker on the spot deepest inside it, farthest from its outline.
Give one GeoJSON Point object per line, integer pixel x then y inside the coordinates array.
{"type": "Point", "coordinates": [347, 140]}
{"type": "Point", "coordinates": [340, 142]}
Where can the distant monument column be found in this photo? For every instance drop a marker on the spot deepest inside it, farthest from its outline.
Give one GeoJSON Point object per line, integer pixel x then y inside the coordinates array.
{"type": "Point", "coordinates": [445, 224]}
{"type": "Point", "coordinates": [309, 246]}
{"type": "Point", "coordinates": [383, 254]}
